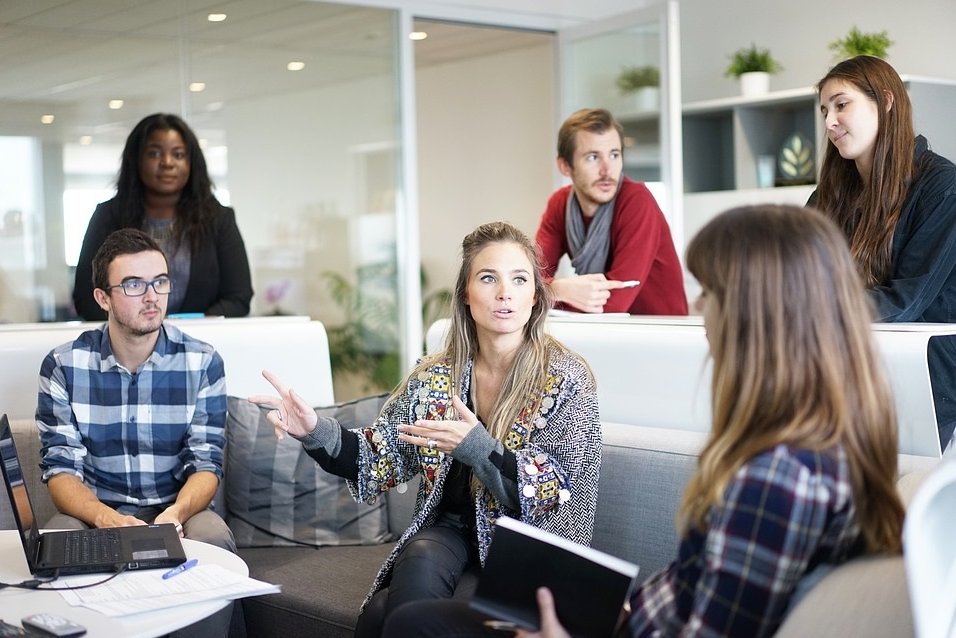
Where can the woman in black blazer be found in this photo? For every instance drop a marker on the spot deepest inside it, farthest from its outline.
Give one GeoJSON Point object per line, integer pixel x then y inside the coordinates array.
{"type": "Point", "coordinates": [164, 189]}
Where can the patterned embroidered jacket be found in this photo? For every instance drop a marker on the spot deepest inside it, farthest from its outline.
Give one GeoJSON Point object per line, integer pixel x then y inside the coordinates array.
{"type": "Point", "coordinates": [562, 440]}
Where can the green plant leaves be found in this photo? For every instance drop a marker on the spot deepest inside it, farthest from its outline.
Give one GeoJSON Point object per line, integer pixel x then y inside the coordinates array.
{"type": "Point", "coordinates": [751, 59]}
{"type": "Point", "coordinates": [856, 42]}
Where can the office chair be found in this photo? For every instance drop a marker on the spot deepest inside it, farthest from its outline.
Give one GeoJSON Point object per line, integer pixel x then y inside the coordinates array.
{"type": "Point", "coordinates": [930, 554]}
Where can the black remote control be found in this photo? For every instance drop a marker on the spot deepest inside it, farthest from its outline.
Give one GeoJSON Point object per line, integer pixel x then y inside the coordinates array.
{"type": "Point", "coordinates": [53, 625]}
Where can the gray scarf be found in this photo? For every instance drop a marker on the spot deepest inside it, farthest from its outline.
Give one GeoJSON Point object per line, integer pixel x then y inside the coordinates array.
{"type": "Point", "coordinates": [589, 249]}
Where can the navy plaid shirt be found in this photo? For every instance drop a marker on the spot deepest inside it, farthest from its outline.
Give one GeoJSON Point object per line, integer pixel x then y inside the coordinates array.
{"type": "Point", "coordinates": [786, 511]}
{"type": "Point", "coordinates": [133, 438]}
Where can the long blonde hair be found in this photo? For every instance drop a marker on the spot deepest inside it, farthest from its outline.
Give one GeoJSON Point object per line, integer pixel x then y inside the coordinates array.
{"type": "Point", "coordinates": [794, 361]}
{"type": "Point", "coordinates": [868, 211]}
{"type": "Point", "coordinates": [530, 366]}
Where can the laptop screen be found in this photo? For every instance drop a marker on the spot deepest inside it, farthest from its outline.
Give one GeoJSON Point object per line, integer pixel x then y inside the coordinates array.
{"type": "Point", "coordinates": [17, 491]}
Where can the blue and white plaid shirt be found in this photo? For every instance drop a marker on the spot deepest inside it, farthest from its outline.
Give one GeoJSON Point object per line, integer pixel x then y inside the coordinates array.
{"type": "Point", "coordinates": [786, 511]}
{"type": "Point", "coordinates": [133, 438]}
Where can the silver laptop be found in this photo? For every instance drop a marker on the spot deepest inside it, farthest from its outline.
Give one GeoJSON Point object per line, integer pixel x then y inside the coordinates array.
{"type": "Point", "coordinates": [82, 551]}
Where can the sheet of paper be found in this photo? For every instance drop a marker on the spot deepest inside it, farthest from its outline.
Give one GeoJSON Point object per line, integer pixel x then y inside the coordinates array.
{"type": "Point", "coordinates": [135, 592]}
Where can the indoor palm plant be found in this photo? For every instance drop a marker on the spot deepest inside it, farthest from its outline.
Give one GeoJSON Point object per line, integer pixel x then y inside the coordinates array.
{"type": "Point", "coordinates": [753, 67]}
{"type": "Point", "coordinates": [367, 343]}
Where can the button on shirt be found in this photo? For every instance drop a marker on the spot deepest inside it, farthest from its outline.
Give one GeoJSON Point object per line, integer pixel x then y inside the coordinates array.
{"type": "Point", "coordinates": [133, 437]}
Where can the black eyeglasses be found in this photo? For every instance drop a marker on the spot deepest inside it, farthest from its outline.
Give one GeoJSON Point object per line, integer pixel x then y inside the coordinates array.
{"type": "Point", "coordinates": [137, 287]}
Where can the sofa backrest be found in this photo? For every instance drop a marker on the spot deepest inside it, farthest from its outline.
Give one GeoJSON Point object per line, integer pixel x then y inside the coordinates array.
{"type": "Point", "coordinates": [295, 348]}
{"type": "Point", "coordinates": [643, 475]}
{"type": "Point", "coordinates": [655, 371]}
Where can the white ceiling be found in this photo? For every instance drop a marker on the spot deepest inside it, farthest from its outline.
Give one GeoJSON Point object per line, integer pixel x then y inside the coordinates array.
{"type": "Point", "coordinates": [70, 57]}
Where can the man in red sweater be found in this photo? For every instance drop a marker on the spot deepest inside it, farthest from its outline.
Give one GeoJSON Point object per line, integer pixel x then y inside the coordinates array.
{"type": "Point", "coordinates": [611, 227]}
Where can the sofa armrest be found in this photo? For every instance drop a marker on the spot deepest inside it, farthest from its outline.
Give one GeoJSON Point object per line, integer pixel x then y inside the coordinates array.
{"type": "Point", "coordinates": [28, 450]}
{"type": "Point", "coordinates": [865, 597]}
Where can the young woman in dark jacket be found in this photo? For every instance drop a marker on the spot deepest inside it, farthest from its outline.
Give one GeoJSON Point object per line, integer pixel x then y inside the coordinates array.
{"type": "Point", "coordinates": [895, 201]}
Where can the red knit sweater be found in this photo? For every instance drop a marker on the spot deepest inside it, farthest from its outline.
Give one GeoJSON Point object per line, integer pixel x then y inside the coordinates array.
{"type": "Point", "coordinates": [641, 248]}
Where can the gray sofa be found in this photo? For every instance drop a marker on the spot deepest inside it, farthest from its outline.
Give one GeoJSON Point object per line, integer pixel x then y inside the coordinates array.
{"type": "Point", "coordinates": [655, 422]}
{"type": "Point", "coordinates": [643, 473]}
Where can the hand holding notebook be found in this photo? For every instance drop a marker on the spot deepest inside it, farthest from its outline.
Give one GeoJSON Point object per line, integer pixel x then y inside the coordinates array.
{"type": "Point", "coordinates": [589, 587]}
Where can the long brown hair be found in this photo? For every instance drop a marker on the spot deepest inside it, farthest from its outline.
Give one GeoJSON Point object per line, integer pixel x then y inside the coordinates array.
{"type": "Point", "coordinates": [868, 211]}
{"type": "Point", "coordinates": [794, 361]}
{"type": "Point", "coordinates": [530, 365]}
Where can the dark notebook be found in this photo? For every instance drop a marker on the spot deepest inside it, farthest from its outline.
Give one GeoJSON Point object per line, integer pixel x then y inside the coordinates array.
{"type": "Point", "coordinates": [82, 551]}
{"type": "Point", "coordinates": [589, 586]}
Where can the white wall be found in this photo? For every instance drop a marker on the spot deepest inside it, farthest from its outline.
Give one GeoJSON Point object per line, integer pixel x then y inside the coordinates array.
{"type": "Point", "coordinates": [797, 34]}
{"type": "Point", "coordinates": [485, 149]}
{"type": "Point", "coordinates": [295, 175]}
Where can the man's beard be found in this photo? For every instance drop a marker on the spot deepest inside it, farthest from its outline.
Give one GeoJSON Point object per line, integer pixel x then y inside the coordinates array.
{"type": "Point", "coordinates": [143, 328]}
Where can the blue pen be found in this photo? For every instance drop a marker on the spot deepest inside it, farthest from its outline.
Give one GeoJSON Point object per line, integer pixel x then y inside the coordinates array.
{"type": "Point", "coordinates": [179, 569]}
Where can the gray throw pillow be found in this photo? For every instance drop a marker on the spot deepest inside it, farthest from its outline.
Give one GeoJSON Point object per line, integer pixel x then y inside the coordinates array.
{"type": "Point", "coordinates": [277, 495]}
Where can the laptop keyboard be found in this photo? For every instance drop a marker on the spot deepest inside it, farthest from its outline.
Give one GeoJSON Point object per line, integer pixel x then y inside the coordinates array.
{"type": "Point", "coordinates": [92, 546]}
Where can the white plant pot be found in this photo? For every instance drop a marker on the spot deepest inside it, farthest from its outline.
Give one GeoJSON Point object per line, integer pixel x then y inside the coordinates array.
{"type": "Point", "coordinates": [754, 83]}
{"type": "Point", "coordinates": [647, 98]}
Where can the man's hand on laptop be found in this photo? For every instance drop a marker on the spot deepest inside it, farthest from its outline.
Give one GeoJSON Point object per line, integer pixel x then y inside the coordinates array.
{"type": "Point", "coordinates": [166, 516]}
{"type": "Point", "coordinates": [112, 518]}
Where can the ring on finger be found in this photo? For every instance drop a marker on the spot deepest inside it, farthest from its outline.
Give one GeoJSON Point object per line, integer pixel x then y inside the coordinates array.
{"type": "Point", "coordinates": [432, 443]}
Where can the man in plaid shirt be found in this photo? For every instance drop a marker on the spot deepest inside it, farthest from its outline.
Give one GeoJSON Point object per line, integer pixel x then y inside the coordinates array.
{"type": "Point", "coordinates": [132, 415]}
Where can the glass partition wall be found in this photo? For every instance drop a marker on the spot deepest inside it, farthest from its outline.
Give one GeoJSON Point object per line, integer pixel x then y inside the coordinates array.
{"type": "Point", "coordinates": [630, 64]}
{"type": "Point", "coordinates": [298, 108]}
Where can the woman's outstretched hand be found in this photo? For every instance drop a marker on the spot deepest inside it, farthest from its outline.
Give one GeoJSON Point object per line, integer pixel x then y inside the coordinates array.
{"type": "Point", "coordinates": [550, 625]}
{"type": "Point", "coordinates": [443, 436]}
{"type": "Point", "coordinates": [290, 412]}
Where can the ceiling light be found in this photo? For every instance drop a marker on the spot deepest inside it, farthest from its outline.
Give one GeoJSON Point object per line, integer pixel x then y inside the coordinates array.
{"type": "Point", "coordinates": [203, 143]}
{"type": "Point", "coordinates": [295, 65]}
{"type": "Point", "coordinates": [47, 119]}
{"type": "Point", "coordinates": [196, 87]}
{"type": "Point", "coordinates": [417, 35]}
{"type": "Point", "coordinates": [216, 17]}
{"type": "Point", "coordinates": [116, 104]}
{"type": "Point", "coordinates": [86, 140]}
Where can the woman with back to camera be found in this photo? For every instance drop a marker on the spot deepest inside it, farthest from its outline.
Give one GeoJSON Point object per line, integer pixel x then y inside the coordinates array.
{"type": "Point", "coordinates": [502, 422]}
{"type": "Point", "coordinates": [164, 189]}
{"type": "Point", "coordinates": [895, 201]}
{"type": "Point", "coordinates": [799, 469]}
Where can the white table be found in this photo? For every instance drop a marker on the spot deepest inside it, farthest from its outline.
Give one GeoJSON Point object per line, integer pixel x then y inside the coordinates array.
{"type": "Point", "coordinates": [17, 603]}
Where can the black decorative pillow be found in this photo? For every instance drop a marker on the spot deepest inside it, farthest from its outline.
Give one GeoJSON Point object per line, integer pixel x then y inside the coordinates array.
{"type": "Point", "coordinates": [277, 495]}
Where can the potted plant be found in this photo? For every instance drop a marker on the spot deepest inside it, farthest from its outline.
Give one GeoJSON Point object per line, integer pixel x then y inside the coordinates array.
{"type": "Point", "coordinates": [753, 67]}
{"type": "Point", "coordinates": [855, 43]}
{"type": "Point", "coordinates": [642, 82]}
{"type": "Point", "coordinates": [366, 345]}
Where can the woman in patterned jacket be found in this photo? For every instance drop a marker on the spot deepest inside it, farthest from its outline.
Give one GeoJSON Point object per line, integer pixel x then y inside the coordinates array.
{"type": "Point", "coordinates": [502, 422]}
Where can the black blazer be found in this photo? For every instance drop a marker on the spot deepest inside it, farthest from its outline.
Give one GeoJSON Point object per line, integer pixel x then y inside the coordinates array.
{"type": "Point", "coordinates": [219, 279]}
